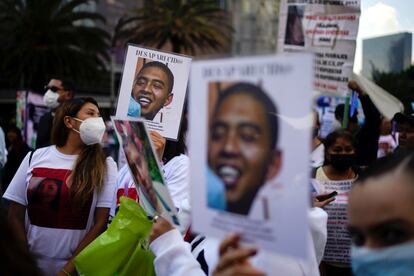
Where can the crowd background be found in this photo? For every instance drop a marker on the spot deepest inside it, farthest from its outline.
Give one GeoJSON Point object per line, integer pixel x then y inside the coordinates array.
{"type": "Point", "coordinates": [340, 154]}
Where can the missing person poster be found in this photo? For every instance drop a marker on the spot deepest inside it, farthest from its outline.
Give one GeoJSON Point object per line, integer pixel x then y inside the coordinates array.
{"type": "Point", "coordinates": [326, 28]}
{"type": "Point", "coordinates": [338, 245]}
{"type": "Point", "coordinates": [153, 87]}
{"type": "Point", "coordinates": [249, 147]}
{"type": "Point", "coordinates": [143, 165]}
{"type": "Point", "coordinates": [29, 109]}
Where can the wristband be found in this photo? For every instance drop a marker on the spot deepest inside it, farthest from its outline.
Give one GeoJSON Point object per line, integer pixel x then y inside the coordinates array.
{"type": "Point", "coordinates": [65, 272]}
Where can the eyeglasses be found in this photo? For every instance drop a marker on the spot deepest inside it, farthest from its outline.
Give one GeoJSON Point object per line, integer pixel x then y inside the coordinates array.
{"type": "Point", "coordinates": [53, 88]}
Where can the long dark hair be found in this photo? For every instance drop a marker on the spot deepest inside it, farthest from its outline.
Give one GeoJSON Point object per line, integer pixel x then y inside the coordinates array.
{"type": "Point", "coordinates": [90, 170]}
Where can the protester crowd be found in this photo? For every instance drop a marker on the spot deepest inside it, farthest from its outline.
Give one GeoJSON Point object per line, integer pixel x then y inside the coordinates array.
{"type": "Point", "coordinates": [61, 196]}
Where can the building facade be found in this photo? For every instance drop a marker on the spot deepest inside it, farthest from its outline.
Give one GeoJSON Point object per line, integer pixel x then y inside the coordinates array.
{"type": "Point", "coordinates": [255, 24]}
{"type": "Point", "coordinates": [388, 54]}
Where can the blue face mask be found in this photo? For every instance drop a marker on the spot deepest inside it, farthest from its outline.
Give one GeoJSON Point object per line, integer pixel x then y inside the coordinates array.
{"type": "Point", "coordinates": [134, 109]}
{"type": "Point", "coordinates": [216, 194]}
{"type": "Point", "coordinates": [391, 261]}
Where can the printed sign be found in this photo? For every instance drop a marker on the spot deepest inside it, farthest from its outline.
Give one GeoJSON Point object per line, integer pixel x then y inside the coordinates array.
{"type": "Point", "coordinates": [249, 147]}
{"type": "Point", "coordinates": [142, 162]}
{"type": "Point", "coordinates": [338, 245]}
{"type": "Point", "coordinates": [29, 109]}
{"type": "Point", "coordinates": [329, 30]}
{"type": "Point", "coordinates": [153, 87]}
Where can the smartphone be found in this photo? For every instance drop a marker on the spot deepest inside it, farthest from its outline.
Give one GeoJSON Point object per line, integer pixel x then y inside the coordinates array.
{"type": "Point", "coordinates": [328, 196]}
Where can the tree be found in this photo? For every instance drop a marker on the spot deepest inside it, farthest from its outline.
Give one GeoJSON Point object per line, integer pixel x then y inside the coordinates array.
{"type": "Point", "coordinates": [42, 38]}
{"type": "Point", "coordinates": [401, 85]}
{"type": "Point", "coordinates": [187, 26]}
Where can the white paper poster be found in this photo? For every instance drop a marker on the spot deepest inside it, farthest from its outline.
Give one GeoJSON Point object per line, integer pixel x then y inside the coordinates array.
{"type": "Point", "coordinates": [338, 245]}
{"type": "Point", "coordinates": [327, 28]}
{"type": "Point", "coordinates": [249, 148]}
{"type": "Point", "coordinates": [153, 87]}
{"type": "Point", "coordinates": [29, 109]}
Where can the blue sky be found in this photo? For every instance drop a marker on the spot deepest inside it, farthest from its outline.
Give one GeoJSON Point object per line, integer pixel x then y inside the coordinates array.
{"type": "Point", "coordinates": [380, 17]}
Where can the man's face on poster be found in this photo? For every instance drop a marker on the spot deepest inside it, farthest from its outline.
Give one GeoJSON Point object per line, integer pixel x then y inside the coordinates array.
{"type": "Point", "coordinates": [240, 152]}
{"type": "Point", "coordinates": [151, 91]}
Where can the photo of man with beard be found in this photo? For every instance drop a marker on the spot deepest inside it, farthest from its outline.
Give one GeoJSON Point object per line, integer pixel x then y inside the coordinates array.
{"type": "Point", "coordinates": [242, 145]}
{"type": "Point", "coordinates": [151, 90]}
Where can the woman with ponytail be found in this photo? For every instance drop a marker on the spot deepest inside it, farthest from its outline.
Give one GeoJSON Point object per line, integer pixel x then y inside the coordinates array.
{"type": "Point", "coordinates": [61, 194]}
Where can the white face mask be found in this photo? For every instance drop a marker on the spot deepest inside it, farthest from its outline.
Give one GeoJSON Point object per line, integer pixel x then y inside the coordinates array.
{"type": "Point", "coordinates": [91, 130]}
{"type": "Point", "coordinates": [50, 99]}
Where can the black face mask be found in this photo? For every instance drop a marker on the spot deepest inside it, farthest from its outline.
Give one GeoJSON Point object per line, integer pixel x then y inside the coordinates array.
{"type": "Point", "coordinates": [342, 162]}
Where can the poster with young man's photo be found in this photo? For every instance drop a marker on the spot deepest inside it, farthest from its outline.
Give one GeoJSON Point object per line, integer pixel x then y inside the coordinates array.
{"type": "Point", "coordinates": [145, 171]}
{"type": "Point", "coordinates": [153, 87]}
{"type": "Point", "coordinates": [249, 147]}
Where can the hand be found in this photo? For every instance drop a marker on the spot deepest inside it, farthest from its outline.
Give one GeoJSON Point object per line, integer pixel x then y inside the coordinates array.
{"type": "Point", "coordinates": [159, 143]}
{"type": "Point", "coordinates": [69, 268]}
{"type": "Point", "coordinates": [322, 203]}
{"type": "Point", "coordinates": [353, 85]}
{"type": "Point", "coordinates": [234, 259]}
{"type": "Point", "coordinates": [160, 227]}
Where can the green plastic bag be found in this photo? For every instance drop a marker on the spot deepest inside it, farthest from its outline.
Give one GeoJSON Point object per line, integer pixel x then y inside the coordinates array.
{"type": "Point", "coordinates": [123, 248]}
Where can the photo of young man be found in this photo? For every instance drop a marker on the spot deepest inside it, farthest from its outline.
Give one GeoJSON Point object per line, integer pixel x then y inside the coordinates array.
{"type": "Point", "coordinates": [151, 90]}
{"type": "Point", "coordinates": [242, 145]}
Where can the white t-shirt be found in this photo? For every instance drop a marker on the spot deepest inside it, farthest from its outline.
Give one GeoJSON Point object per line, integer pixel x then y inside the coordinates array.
{"type": "Point", "coordinates": [124, 187]}
{"type": "Point", "coordinates": [54, 228]}
{"type": "Point", "coordinates": [176, 175]}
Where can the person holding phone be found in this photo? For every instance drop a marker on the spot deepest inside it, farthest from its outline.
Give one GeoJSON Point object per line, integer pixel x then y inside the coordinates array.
{"type": "Point", "coordinates": [339, 165]}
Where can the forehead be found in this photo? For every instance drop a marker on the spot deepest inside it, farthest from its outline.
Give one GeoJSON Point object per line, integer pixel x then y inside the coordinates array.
{"type": "Point", "coordinates": [244, 108]}
{"type": "Point", "coordinates": [89, 107]}
{"type": "Point", "coordinates": [154, 72]}
{"type": "Point", "coordinates": [342, 142]}
{"type": "Point", "coordinates": [380, 199]}
{"type": "Point", "coordinates": [406, 125]}
{"type": "Point", "coordinates": [55, 82]}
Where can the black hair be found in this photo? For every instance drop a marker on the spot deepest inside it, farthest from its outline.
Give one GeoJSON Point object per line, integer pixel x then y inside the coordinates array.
{"type": "Point", "coordinates": [330, 140]}
{"type": "Point", "coordinates": [259, 95]}
{"type": "Point", "coordinates": [15, 129]}
{"type": "Point", "coordinates": [339, 114]}
{"type": "Point", "coordinates": [67, 84]}
{"type": "Point", "coordinates": [389, 163]}
{"type": "Point", "coordinates": [164, 68]}
{"type": "Point", "coordinates": [401, 118]}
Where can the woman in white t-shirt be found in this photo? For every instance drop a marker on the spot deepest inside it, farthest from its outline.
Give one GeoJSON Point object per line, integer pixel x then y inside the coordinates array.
{"type": "Point", "coordinates": [61, 194]}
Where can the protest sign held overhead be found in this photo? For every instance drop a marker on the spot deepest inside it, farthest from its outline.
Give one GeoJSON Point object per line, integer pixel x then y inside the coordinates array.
{"type": "Point", "coordinates": [329, 30]}
{"type": "Point", "coordinates": [153, 87]}
{"type": "Point", "coordinates": [145, 171]}
{"type": "Point", "coordinates": [30, 108]}
{"type": "Point", "coordinates": [249, 146]}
